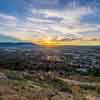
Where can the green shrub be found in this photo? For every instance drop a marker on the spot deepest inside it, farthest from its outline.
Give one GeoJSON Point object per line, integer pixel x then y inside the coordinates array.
{"type": "Point", "coordinates": [14, 75]}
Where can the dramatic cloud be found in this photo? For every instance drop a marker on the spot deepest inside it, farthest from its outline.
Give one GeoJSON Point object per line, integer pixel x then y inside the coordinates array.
{"type": "Point", "coordinates": [7, 24]}
{"type": "Point", "coordinates": [41, 20]}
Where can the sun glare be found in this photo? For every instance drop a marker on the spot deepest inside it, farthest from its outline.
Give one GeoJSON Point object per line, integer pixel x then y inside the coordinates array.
{"type": "Point", "coordinates": [51, 43]}
{"type": "Point", "coordinates": [48, 43]}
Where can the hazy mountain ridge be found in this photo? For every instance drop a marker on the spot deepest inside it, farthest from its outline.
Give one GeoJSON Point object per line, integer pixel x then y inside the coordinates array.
{"type": "Point", "coordinates": [17, 44]}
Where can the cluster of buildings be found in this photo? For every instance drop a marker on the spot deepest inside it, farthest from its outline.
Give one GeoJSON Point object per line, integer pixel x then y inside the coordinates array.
{"type": "Point", "coordinates": [34, 58]}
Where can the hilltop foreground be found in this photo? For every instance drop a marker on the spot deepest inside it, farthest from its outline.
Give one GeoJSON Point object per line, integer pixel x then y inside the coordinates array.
{"type": "Point", "coordinates": [30, 72]}
{"type": "Point", "coordinates": [51, 85]}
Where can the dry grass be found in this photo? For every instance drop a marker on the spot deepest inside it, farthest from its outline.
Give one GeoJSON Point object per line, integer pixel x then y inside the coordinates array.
{"type": "Point", "coordinates": [16, 85]}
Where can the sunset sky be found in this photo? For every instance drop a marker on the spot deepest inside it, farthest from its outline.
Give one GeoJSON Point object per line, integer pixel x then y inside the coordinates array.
{"type": "Point", "coordinates": [58, 22]}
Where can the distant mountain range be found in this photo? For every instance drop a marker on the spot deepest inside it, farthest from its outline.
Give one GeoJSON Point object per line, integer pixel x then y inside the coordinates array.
{"type": "Point", "coordinates": [17, 44]}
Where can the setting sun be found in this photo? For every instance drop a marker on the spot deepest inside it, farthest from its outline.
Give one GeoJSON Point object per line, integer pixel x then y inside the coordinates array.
{"type": "Point", "coordinates": [48, 43]}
